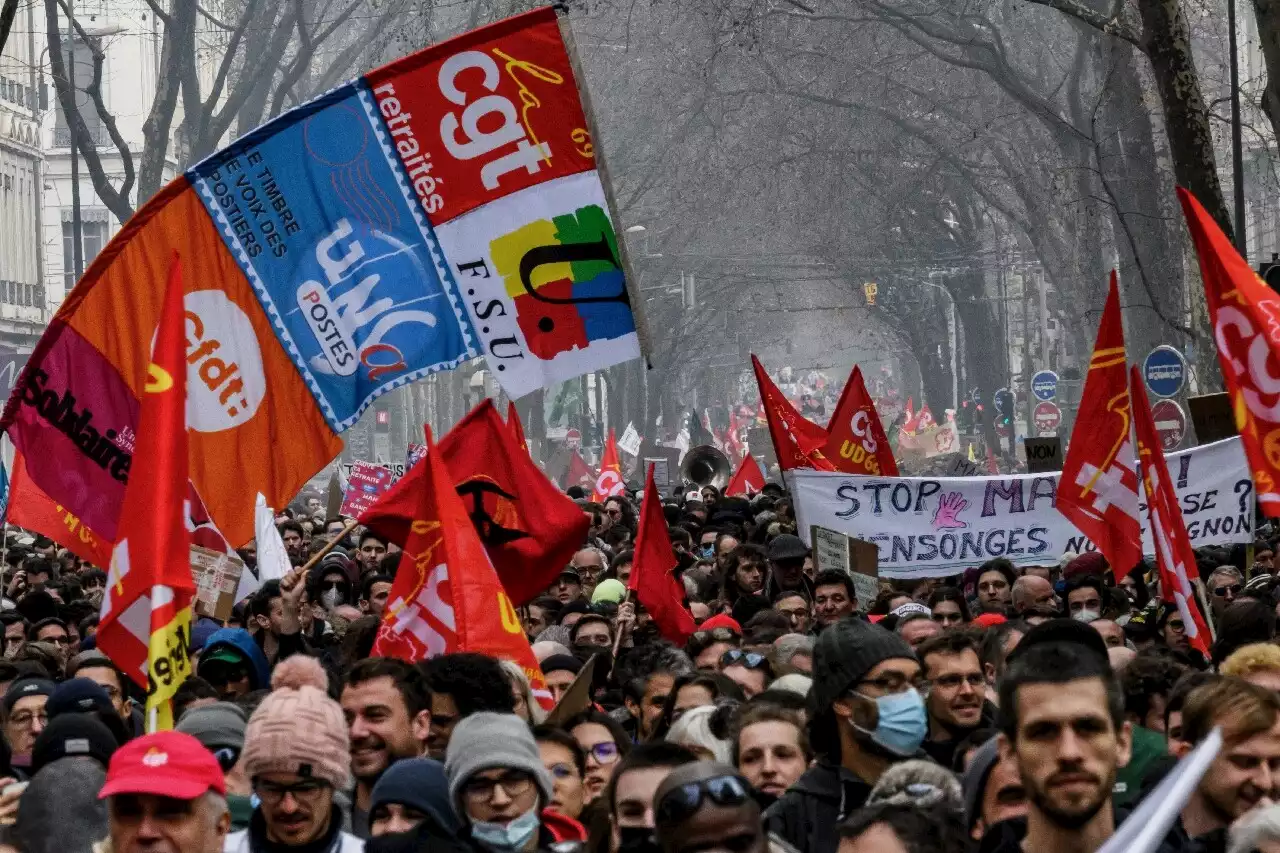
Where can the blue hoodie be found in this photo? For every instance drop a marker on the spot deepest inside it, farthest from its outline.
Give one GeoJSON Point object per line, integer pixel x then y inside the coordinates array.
{"type": "Point", "coordinates": [241, 641]}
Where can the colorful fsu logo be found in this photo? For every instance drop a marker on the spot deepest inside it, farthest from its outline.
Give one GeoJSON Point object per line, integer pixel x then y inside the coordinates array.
{"type": "Point", "coordinates": [564, 276]}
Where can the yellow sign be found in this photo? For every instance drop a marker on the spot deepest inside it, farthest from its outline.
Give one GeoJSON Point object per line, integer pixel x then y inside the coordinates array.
{"type": "Point", "coordinates": [871, 289]}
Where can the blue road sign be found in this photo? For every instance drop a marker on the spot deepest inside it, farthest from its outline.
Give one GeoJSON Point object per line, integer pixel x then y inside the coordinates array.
{"type": "Point", "coordinates": [1004, 401]}
{"type": "Point", "coordinates": [1164, 371]}
{"type": "Point", "coordinates": [1045, 385]}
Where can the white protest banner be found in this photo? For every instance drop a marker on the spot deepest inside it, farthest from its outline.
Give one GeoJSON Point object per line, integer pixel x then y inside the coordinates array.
{"type": "Point", "coordinates": [630, 441]}
{"type": "Point", "coordinates": [933, 527]}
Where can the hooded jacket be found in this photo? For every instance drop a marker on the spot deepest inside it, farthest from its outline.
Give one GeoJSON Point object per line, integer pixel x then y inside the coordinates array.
{"type": "Point", "coordinates": [242, 641]}
{"type": "Point", "coordinates": [807, 815]}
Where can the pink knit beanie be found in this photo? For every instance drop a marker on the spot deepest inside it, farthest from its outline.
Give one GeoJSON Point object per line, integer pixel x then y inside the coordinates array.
{"type": "Point", "coordinates": [298, 728]}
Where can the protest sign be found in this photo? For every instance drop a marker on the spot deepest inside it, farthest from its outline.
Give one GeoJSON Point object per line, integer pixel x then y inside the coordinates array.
{"type": "Point", "coordinates": [830, 549]}
{"type": "Point", "coordinates": [864, 558]}
{"type": "Point", "coordinates": [1043, 454]}
{"type": "Point", "coordinates": [661, 471]}
{"type": "Point", "coordinates": [217, 577]}
{"type": "Point", "coordinates": [931, 527]}
{"type": "Point", "coordinates": [630, 441]}
{"type": "Point", "coordinates": [365, 484]}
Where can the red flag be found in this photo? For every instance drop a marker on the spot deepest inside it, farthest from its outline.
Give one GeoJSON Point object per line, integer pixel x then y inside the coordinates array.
{"type": "Point", "coordinates": [993, 467]}
{"type": "Point", "coordinates": [924, 420]}
{"type": "Point", "coordinates": [747, 480]}
{"type": "Point", "coordinates": [609, 480]}
{"type": "Point", "coordinates": [447, 596]}
{"type": "Point", "coordinates": [651, 574]}
{"type": "Point", "coordinates": [910, 424]}
{"type": "Point", "coordinates": [797, 441]}
{"type": "Point", "coordinates": [579, 471]}
{"type": "Point", "coordinates": [1098, 492]}
{"type": "Point", "coordinates": [517, 428]}
{"type": "Point", "coordinates": [529, 527]}
{"type": "Point", "coordinates": [1168, 529]}
{"type": "Point", "coordinates": [32, 509]}
{"type": "Point", "coordinates": [856, 442]}
{"type": "Point", "coordinates": [145, 625]}
{"type": "Point", "coordinates": [1243, 311]}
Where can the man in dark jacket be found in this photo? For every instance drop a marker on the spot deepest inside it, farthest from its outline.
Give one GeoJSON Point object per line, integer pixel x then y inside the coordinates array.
{"type": "Point", "coordinates": [865, 715]}
{"type": "Point", "coordinates": [956, 694]}
{"type": "Point", "coordinates": [233, 663]}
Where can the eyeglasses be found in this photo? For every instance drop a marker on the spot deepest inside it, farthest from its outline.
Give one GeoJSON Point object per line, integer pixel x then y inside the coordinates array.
{"type": "Point", "coordinates": [680, 804]}
{"type": "Point", "coordinates": [26, 718]}
{"type": "Point", "coordinates": [975, 680]}
{"type": "Point", "coordinates": [892, 682]}
{"type": "Point", "coordinates": [307, 789]}
{"type": "Point", "coordinates": [605, 752]}
{"type": "Point", "coordinates": [1229, 589]}
{"type": "Point", "coordinates": [563, 771]}
{"type": "Point", "coordinates": [737, 657]}
{"type": "Point", "coordinates": [480, 790]}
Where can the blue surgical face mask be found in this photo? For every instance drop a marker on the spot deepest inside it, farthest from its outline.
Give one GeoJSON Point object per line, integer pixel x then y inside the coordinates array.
{"type": "Point", "coordinates": [903, 722]}
{"type": "Point", "coordinates": [507, 836]}
{"type": "Point", "coordinates": [707, 550]}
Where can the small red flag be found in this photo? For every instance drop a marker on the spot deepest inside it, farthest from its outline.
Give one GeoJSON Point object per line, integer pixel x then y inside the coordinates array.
{"type": "Point", "coordinates": [796, 441]}
{"type": "Point", "coordinates": [579, 471]}
{"type": "Point", "coordinates": [747, 480]}
{"type": "Point", "coordinates": [856, 441]}
{"type": "Point", "coordinates": [1174, 557]}
{"type": "Point", "coordinates": [529, 527]}
{"type": "Point", "coordinates": [517, 428]}
{"type": "Point", "coordinates": [651, 573]}
{"type": "Point", "coordinates": [609, 480]}
{"type": "Point", "coordinates": [912, 421]}
{"type": "Point", "coordinates": [145, 623]}
{"type": "Point", "coordinates": [1243, 311]}
{"type": "Point", "coordinates": [447, 596]}
{"type": "Point", "coordinates": [1098, 491]}
{"type": "Point", "coordinates": [32, 509]}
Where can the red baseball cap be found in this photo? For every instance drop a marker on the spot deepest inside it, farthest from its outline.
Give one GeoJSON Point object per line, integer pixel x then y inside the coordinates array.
{"type": "Point", "coordinates": [166, 764]}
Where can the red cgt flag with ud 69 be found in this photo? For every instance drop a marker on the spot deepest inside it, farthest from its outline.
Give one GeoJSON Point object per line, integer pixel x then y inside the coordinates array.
{"type": "Point", "coordinates": [446, 596]}
{"type": "Point", "coordinates": [856, 441]}
{"type": "Point", "coordinates": [528, 526]}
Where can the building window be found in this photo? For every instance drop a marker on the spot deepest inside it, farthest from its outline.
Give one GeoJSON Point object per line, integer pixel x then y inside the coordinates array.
{"type": "Point", "coordinates": [93, 236]}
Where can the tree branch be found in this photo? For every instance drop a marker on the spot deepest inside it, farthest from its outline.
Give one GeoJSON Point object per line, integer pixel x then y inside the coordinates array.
{"type": "Point", "coordinates": [1111, 25]}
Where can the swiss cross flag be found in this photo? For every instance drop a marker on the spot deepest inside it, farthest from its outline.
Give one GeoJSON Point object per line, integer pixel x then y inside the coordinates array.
{"type": "Point", "coordinates": [1098, 492]}
{"type": "Point", "coordinates": [609, 480]}
{"type": "Point", "coordinates": [447, 596]}
{"type": "Point", "coordinates": [1174, 556]}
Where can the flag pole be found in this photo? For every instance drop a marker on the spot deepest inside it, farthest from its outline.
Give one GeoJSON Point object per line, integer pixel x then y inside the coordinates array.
{"type": "Point", "coordinates": [330, 545]}
{"type": "Point", "coordinates": [617, 641]}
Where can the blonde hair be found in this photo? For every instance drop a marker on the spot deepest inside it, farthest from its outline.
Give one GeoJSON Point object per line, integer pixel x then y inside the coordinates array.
{"type": "Point", "coordinates": [1255, 657]}
{"type": "Point", "coordinates": [515, 674]}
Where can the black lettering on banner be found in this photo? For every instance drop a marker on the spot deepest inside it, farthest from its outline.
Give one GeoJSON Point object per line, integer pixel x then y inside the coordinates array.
{"type": "Point", "coordinates": [60, 412]}
{"type": "Point", "coordinates": [848, 492]}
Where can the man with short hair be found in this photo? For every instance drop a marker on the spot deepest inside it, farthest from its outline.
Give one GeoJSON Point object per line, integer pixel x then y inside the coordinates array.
{"type": "Point", "coordinates": [1225, 584]}
{"type": "Point", "coordinates": [1112, 634]}
{"type": "Point", "coordinates": [25, 716]}
{"type": "Point", "coordinates": [722, 814]}
{"type": "Point", "coordinates": [868, 716]}
{"type": "Point", "coordinates": [567, 586]}
{"type": "Point", "coordinates": [387, 707]}
{"type": "Point", "coordinates": [52, 630]}
{"type": "Point", "coordinates": [834, 597]}
{"type": "Point", "coordinates": [99, 669]}
{"type": "Point", "coordinates": [294, 539]}
{"type": "Point", "coordinates": [1062, 722]}
{"type": "Point", "coordinates": [956, 692]}
{"type": "Point", "coordinates": [276, 617]}
{"type": "Point", "coordinates": [630, 791]}
{"type": "Point", "coordinates": [1085, 597]}
{"type": "Point", "coordinates": [165, 794]}
{"type": "Point", "coordinates": [590, 564]}
{"type": "Point", "coordinates": [995, 585]}
{"type": "Point", "coordinates": [15, 633]}
{"type": "Point", "coordinates": [917, 627]}
{"type": "Point", "coordinates": [373, 594]}
{"type": "Point", "coordinates": [1031, 592]}
{"type": "Point", "coordinates": [787, 554]}
{"type": "Point", "coordinates": [462, 684]}
{"type": "Point", "coordinates": [369, 551]}
{"type": "Point", "coordinates": [793, 605]}
{"type": "Point", "coordinates": [1244, 773]}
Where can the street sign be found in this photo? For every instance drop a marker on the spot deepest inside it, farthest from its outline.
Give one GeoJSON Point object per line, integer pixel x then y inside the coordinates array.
{"type": "Point", "coordinates": [1003, 401]}
{"type": "Point", "coordinates": [1171, 423]}
{"type": "Point", "coordinates": [1164, 371]}
{"type": "Point", "coordinates": [1047, 417]}
{"type": "Point", "coordinates": [1045, 385]}
{"type": "Point", "coordinates": [573, 438]}
{"type": "Point", "coordinates": [975, 395]}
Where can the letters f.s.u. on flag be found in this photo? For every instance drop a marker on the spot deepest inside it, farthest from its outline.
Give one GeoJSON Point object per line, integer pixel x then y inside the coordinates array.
{"type": "Point", "coordinates": [1098, 492]}
{"type": "Point", "coordinates": [856, 441]}
{"type": "Point", "coordinates": [609, 480]}
{"type": "Point", "coordinates": [145, 622]}
{"type": "Point", "coordinates": [797, 441]}
{"type": "Point", "coordinates": [446, 596]}
{"type": "Point", "coordinates": [1246, 326]}
{"type": "Point", "coordinates": [1174, 557]}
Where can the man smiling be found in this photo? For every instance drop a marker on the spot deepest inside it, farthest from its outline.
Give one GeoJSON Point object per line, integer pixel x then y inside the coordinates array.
{"type": "Point", "coordinates": [956, 692]}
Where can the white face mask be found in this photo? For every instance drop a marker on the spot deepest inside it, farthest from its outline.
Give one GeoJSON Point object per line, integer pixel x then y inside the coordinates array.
{"type": "Point", "coordinates": [1086, 616]}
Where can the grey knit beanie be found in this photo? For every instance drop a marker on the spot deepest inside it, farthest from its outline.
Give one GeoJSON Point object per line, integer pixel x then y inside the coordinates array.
{"type": "Point", "coordinates": [845, 652]}
{"type": "Point", "coordinates": [486, 740]}
{"type": "Point", "coordinates": [217, 726]}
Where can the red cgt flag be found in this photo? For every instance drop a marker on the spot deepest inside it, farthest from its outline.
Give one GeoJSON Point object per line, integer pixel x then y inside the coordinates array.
{"type": "Point", "coordinates": [529, 527]}
{"type": "Point", "coordinates": [651, 578]}
{"type": "Point", "coordinates": [145, 623]}
{"type": "Point", "coordinates": [609, 480]}
{"type": "Point", "coordinates": [747, 480]}
{"type": "Point", "coordinates": [1243, 311]}
{"type": "Point", "coordinates": [856, 441]}
{"type": "Point", "coordinates": [796, 441]}
{"type": "Point", "coordinates": [1168, 529]}
{"type": "Point", "coordinates": [1098, 492]}
{"type": "Point", "coordinates": [447, 596]}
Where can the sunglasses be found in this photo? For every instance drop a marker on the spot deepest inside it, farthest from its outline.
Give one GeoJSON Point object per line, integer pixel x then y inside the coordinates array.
{"type": "Point", "coordinates": [1232, 589]}
{"type": "Point", "coordinates": [680, 804]}
{"type": "Point", "coordinates": [737, 657]}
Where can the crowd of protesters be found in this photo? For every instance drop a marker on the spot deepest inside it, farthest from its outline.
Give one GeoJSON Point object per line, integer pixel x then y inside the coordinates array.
{"type": "Point", "coordinates": [1001, 709]}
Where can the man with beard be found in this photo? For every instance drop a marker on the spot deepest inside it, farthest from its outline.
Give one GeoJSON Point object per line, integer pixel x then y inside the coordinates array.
{"type": "Point", "coordinates": [1062, 723]}
{"type": "Point", "coordinates": [295, 539]}
{"type": "Point", "coordinates": [388, 710]}
{"type": "Point", "coordinates": [956, 692]}
{"type": "Point", "coordinates": [868, 716]}
{"type": "Point", "coordinates": [1243, 774]}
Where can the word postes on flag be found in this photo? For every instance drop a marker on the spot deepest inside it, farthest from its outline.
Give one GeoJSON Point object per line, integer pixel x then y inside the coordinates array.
{"type": "Point", "coordinates": [931, 527]}
{"type": "Point", "coordinates": [444, 207]}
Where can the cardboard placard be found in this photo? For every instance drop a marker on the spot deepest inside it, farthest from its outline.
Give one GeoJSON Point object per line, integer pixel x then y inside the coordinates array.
{"type": "Point", "coordinates": [1043, 454]}
{"type": "Point", "coordinates": [865, 561]}
{"type": "Point", "coordinates": [661, 472]}
{"type": "Point", "coordinates": [830, 549]}
{"type": "Point", "coordinates": [217, 576]}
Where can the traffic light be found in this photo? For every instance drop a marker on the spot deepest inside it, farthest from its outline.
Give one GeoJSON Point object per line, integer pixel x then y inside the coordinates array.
{"type": "Point", "coordinates": [1270, 272]}
{"type": "Point", "coordinates": [964, 417]}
